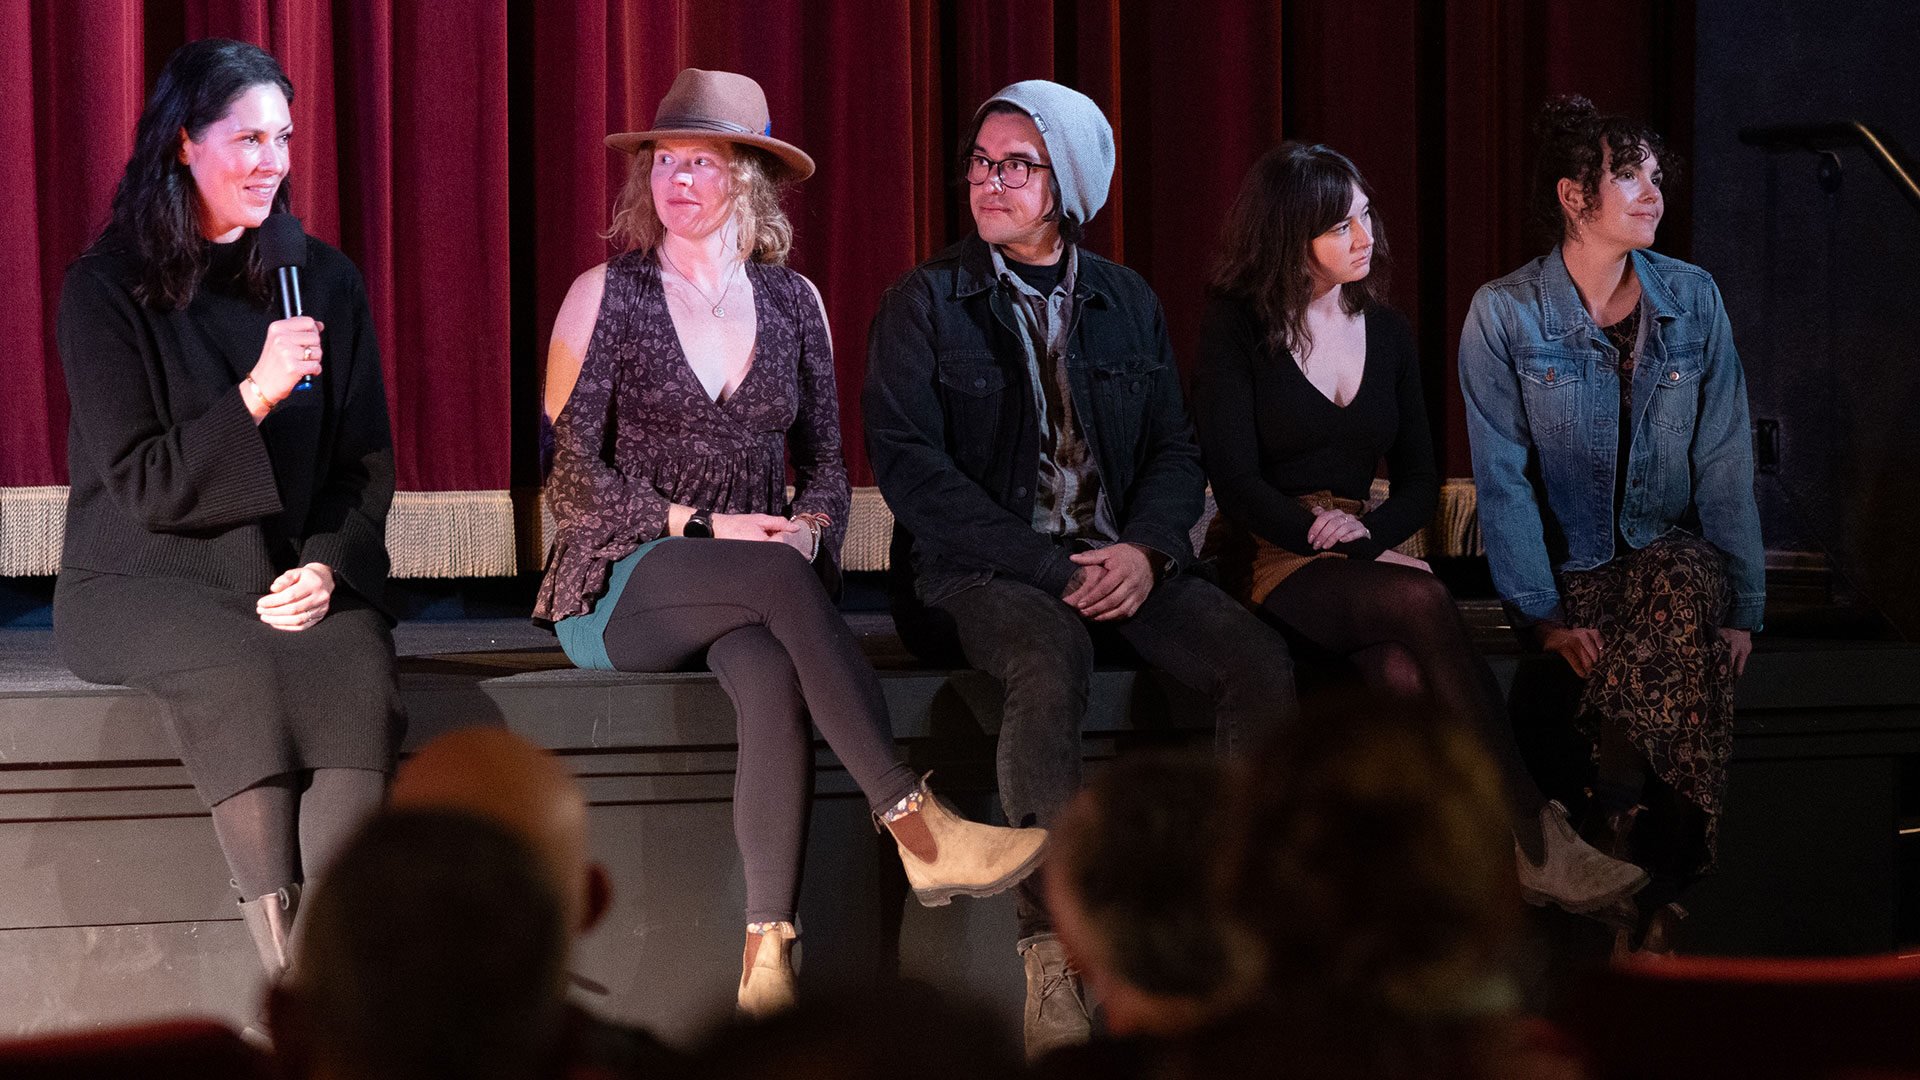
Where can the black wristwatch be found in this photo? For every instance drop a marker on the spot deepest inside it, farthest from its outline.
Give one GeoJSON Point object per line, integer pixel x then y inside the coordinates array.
{"type": "Point", "coordinates": [699, 525]}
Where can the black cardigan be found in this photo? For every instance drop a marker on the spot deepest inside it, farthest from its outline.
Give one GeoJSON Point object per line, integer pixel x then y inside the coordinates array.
{"type": "Point", "coordinates": [1267, 434]}
{"type": "Point", "coordinates": [170, 475]}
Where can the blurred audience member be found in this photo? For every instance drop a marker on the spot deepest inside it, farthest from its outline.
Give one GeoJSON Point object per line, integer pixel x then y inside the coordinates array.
{"type": "Point", "coordinates": [1132, 860]}
{"type": "Point", "coordinates": [1129, 886]}
{"type": "Point", "coordinates": [437, 949]}
{"type": "Point", "coordinates": [1373, 858]}
{"type": "Point", "coordinates": [497, 775]}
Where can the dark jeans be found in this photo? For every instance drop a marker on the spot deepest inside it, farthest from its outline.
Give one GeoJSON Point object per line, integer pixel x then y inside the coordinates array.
{"type": "Point", "coordinates": [783, 654]}
{"type": "Point", "coordinates": [1042, 652]}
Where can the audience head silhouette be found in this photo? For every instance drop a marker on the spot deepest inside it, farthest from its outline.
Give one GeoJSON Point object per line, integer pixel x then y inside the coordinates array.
{"type": "Point", "coordinates": [436, 948]}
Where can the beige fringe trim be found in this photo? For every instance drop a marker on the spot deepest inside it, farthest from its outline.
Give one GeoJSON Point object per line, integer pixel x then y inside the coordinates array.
{"type": "Point", "coordinates": [1455, 529]}
{"type": "Point", "coordinates": [472, 533]}
{"type": "Point", "coordinates": [32, 521]}
{"type": "Point", "coordinates": [451, 534]}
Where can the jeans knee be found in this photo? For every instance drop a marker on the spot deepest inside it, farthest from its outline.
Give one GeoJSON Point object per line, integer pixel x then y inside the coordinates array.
{"type": "Point", "coordinates": [1056, 671]}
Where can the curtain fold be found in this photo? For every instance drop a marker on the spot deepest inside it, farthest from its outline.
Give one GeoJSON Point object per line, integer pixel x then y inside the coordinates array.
{"type": "Point", "coordinates": [454, 152]}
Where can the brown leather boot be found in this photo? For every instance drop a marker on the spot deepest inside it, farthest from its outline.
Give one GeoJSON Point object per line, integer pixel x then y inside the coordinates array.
{"type": "Point", "coordinates": [766, 973]}
{"type": "Point", "coordinates": [1056, 1010]}
{"type": "Point", "coordinates": [1574, 875]}
{"type": "Point", "coordinates": [946, 855]}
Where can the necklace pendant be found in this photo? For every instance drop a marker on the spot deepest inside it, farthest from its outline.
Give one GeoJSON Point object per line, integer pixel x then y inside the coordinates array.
{"type": "Point", "coordinates": [719, 312]}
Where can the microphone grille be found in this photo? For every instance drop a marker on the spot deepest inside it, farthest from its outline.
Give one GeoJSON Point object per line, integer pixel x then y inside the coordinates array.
{"type": "Point", "coordinates": [282, 241]}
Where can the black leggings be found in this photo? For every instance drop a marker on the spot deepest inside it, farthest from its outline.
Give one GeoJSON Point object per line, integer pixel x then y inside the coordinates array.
{"type": "Point", "coordinates": [1401, 628]}
{"type": "Point", "coordinates": [287, 828]}
{"type": "Point", "coordinates": [784, 655]}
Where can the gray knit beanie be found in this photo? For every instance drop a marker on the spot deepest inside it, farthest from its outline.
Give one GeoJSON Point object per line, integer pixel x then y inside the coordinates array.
{"type": "Point", "coordinates": [1077, 136]}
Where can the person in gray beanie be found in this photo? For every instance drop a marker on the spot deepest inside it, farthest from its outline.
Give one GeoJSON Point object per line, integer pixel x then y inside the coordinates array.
{"type": "Point", "coordinates": [1025, 424]}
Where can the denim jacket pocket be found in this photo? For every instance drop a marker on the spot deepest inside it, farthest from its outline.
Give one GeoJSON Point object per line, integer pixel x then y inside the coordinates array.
{"type": "Point", "coordinates": [974, 391]}
{"type": "Point", "coordinates": [1676, 394]}
{"type": "Point", "coordinates": [1122, 390]}
{"type": "Point", "coordinates": [1551, 384]}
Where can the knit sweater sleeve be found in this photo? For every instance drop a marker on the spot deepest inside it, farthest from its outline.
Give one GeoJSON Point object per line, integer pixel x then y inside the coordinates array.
{"type": "Point", "coordinates": [1414, 480]}
{"type": "Point", "coordinates": [347, 524]}
{"type": "Point", "coordinates": [170, 473]}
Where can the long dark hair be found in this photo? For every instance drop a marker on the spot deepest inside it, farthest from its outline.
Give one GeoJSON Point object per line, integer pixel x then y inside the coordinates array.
{"type": "Point", "coordinates": [1575, 139]}
{"type": "Point", "coordinates": [154, 207]}
{"type": "Point", "coordinates": [1290, 196]}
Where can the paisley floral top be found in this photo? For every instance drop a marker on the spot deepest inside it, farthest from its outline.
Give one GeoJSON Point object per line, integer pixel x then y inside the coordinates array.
{"type": "Point", "coordinates": [639, 432]}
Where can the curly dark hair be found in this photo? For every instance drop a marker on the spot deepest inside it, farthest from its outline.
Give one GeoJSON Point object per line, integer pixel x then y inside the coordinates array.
{"type": "Point", "coordinates": [1576, 141]}
{"type": "Point", "coordinates": [154, 208]}
{"type": "Point", "coordinates": [1290, 196]}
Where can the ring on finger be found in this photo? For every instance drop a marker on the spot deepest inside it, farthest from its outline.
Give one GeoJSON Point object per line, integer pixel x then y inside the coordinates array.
{"type": "Point", "coordinates": [306, 354]}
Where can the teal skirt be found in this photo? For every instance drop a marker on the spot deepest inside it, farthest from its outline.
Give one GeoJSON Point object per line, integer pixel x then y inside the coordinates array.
{"type": "Point", "coordinates": [582, 637]}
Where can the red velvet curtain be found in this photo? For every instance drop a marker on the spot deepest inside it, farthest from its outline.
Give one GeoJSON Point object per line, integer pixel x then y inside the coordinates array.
{"type": "Point", "coordinates": [453, 150]}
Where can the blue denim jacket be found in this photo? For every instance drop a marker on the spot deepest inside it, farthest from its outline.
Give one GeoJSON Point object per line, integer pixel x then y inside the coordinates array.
{"type": "Point", "coordinates": [1543, 401]}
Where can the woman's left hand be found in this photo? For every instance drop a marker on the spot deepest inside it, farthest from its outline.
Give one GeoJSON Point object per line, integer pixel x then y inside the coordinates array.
{"type": "Point", "coordinates": [1739, 647]}
{"type": "Point", "coordinates": [299, 598]}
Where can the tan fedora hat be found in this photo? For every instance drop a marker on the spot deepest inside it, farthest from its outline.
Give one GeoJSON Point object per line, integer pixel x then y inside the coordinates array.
{"type": "Point", "coordinates": [716, 104]}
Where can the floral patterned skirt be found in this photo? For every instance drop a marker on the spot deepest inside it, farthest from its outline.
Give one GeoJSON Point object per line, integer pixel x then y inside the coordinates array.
{"type": "Point", "coordinates": [1664, 674]}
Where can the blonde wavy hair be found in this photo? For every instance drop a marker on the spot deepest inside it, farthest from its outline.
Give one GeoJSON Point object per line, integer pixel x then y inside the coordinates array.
{"type": "Point", "coordinates": [765, 234]}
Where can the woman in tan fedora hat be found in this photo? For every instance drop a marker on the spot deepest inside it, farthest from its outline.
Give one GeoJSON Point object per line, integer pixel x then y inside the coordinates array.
{"type": "Point", "coordinates": [680, 375]}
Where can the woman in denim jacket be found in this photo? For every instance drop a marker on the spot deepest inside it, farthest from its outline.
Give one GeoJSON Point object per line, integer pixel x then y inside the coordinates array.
{"type": "Point", "coordinates": [1608, 416]}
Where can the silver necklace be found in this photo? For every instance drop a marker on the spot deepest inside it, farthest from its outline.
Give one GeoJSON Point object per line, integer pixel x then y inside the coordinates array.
{"type": "Point", "coordinates": [718, 307]}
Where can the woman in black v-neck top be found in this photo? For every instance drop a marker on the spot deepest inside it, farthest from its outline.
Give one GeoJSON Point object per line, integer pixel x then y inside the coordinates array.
{"type": "Point", "coordinates": [1291, 471]}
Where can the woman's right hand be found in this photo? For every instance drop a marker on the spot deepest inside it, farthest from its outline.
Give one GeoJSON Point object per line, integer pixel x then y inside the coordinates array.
{"type": "Point", "coordinates": [292, 352]}
{"type": "Point", "coordinates": [1578, 646]}
{"type": "Point", "coordinates": [755, 527]}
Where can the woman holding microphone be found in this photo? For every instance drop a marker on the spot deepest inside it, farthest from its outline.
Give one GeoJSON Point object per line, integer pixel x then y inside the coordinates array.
{"type": "Point", "coordinates": [225, 540]}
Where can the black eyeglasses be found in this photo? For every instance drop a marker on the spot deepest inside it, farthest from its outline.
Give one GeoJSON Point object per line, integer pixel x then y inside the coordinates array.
{"type": "Point", "coordinates": [1011, 172]}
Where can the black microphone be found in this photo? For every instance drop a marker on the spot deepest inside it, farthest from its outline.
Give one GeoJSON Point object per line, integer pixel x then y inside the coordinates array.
{"type": "Point", "coordinates": [283, 246]}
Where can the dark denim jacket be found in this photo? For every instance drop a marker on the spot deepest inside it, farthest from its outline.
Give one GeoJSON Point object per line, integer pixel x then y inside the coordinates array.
{"type": "Point", "coordinates": [955, 443]}
{"type": "Point", "coordinates": [1543, 404]}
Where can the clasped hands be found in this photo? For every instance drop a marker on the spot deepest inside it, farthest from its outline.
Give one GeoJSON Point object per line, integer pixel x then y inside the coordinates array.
{"type": "Point", "coordinates": [1111, 582]}
{"type": "Point", "coordinates": [298, 598]}
{"type": "Point", "coordinates": [798, 532]}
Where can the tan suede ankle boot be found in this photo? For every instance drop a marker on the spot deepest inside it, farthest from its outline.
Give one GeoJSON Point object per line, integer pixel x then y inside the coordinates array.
{"type": "Point", "coordinates": [946, 855]}
{"type": "Point", "coordinates": [766, 973]}
{"type": "Point", "coordinates": [1574, 875]}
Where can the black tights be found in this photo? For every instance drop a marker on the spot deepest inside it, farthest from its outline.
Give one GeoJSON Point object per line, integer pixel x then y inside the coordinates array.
{"type": "Point", "coordinates": [1401, 628]}
{"type": "Point", "coordinates": [288, 827]}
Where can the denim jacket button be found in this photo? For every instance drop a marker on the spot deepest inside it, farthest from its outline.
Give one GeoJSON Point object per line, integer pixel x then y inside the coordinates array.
{"type": "Point", "coordinates": [979, 383]}
{"type": "Point", "coordinates": [1019, 493]}
{"type": "Point", "coordinates": [1549, 374]}
{"type": "Point", "coordinates": [1674, 375]}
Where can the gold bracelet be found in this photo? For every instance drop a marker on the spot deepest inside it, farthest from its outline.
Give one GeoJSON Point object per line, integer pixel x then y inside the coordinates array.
{"type": "Point", "coordinates": [248, 383]}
